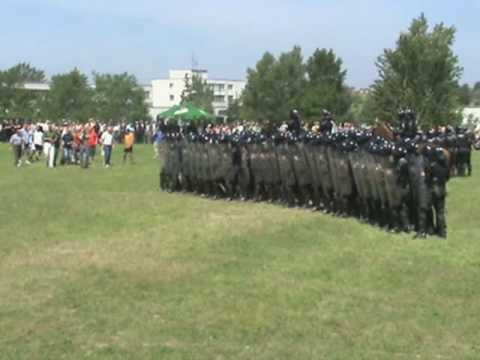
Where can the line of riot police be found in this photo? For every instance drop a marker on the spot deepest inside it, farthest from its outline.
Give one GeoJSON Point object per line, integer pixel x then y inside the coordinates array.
{"type": "Point", "coordinates": [398, 185]}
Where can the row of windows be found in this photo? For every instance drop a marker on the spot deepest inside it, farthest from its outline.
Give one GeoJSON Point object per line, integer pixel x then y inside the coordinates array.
{"type": "Point", "coordinates": [221, 98]}
{"type": "Point", "coordinates": [221, 87]}
{"type": "Point", "coordinates": [217, 98]}
{"type": "Point", "coordinates": [215, 87]}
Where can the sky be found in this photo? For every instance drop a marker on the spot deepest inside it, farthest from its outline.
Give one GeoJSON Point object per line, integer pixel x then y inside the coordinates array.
{"type": "Point", "coordinates": [149, 37]}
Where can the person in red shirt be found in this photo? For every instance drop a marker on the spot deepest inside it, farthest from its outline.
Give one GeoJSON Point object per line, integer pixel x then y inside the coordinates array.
{"type": "Point", "coordinates": [92, 142]}
{"type": "Point", "coordinates": [77, 141]}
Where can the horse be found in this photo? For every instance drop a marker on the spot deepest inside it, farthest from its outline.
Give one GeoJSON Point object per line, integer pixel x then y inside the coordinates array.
{"type": "Point", "coordinates": [384, 130]}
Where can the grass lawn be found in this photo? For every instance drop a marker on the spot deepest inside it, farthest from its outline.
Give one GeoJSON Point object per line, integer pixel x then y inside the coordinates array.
{"type": "Point", "coordinates": [100, 264]}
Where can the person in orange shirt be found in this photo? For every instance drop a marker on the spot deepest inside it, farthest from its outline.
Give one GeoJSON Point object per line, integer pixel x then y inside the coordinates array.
{"type": "Point", "coordinates": [92, 142]}
{"type": "Point", "coordinates": [128, 142]}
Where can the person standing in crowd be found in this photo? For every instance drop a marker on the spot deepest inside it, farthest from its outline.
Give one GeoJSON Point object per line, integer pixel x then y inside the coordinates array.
{"type": "Point", "coordinates": [158, 139]}
{"type": "Point", "coordinates": [84, 153]}
{"type": "Point", "coordinates": [67, 142]}
{"type": "Point", "coordinates": [38, 142]}
{"type": "Point", "coordinates": [117, 133]}
{"type": "Point", "coordinates": [28, 148]}
{"type": "Point", "coordinates": [92, 142]}
{"type": "Point", "coordinates": [49, 146]}
{"type": "Point", "coordinates": [150, 133]}
{"type": "Point", "coordinates": [17, 141]}
{"type": "Point", "coordinates": [77, 142]}
{"type": "Point", "coordinates": [24, 135]}
{"type": "Point", "coordinates": [128, 141]}
{"type": "Point", "coordinates": [107, 142]}
{"type": "Point", "coordinates": [57, 140]}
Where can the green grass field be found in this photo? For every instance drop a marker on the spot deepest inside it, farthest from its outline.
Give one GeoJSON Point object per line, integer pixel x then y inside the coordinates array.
{"type": "Point", "coordinates": [100, 264]}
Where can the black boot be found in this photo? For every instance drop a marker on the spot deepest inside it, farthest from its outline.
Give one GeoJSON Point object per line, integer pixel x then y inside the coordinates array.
{"type": "Point", "coordinates": [422, 225]}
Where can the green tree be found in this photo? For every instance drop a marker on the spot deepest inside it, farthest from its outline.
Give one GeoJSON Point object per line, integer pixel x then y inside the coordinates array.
{"type": "Point", "coordinates": [233, 112]}
{"type": "Point", "coordinates": [290, 84]}
{"type": "Point", "coordinates": [367, 114]}
{"type": "Point", "coordinates": [362, 109]}
{"type": "Point", "coordinates": [15, 100]}
{"type": "Point", "coordinates": [259, 95]}
{"type": "Point", "coordinates": [70, 97]}
{"type": "Point", "coordinates": [325, 88]}
{"type": "Point", "coordinates": [465, 95]}
{"type": "Point", "coordinates": [118, 97]}
{"type": "Point", "coordinates": [275, 86]}
{"type": "Point", "coordinates": [421, 73]}
{"type": "Point", "coordinates": [198, 92]}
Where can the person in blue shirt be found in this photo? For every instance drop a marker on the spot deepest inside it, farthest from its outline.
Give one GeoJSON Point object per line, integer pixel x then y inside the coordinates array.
{"type": "Point", "coordinates": [17, 141]}
{"type": "Point", "coordinates": [158, 139]}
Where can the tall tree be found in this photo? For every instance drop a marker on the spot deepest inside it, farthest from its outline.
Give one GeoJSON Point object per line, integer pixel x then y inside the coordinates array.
{"type": "Point", "coordinates": [325, 87]}
{"type": "Point", "coordinates": [258, 96]}
{"type": "Point", "coordinates": [290, 83]}
{"type": "Point", "coordinates": [421, 73]}
{"type": "Point", "coordinates": [15, 100]}
{"type": "Point", "coordinates": [275, 86]}
{"type": "Point", "coordinates": [198, 92]}
{"type": "Point", "coordinates": [119, 97]}
{"type": "Point", "coordinates": [70, 97]}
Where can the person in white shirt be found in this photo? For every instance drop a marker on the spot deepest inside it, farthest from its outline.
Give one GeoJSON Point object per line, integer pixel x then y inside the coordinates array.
{"type": "Point", "coordinates": [38, 142]}
{"type": "Point", "coordinates": [107, 142]}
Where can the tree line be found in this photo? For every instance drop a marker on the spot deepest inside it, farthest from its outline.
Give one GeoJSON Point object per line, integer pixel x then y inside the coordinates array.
{"type": "Point", "coordinates": [420, 73]}
{"type": "Point", "coordinates": [112, 96]}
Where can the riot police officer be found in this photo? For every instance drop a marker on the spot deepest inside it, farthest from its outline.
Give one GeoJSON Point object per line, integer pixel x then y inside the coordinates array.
{"type": "Point", "coordinates": [295, 122]}
{"type": "Point", "coordinates": [438, 177]}
{"type": "Point", "coordinates": [326, 127]}
{"type": "Point", "coordinates": [421, 196]}
{"type": "Point", "coordinates": [464, 153]}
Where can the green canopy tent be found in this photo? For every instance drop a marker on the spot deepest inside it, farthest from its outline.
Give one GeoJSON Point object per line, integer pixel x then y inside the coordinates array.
{"type": "Point", "coordinates": [186, 112]}
{"type": "Point", "coordinates": [170, 113]}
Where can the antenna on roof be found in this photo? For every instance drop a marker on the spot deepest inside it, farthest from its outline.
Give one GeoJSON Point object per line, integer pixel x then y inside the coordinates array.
{"type": "Point", "coordinates": [194, 62]}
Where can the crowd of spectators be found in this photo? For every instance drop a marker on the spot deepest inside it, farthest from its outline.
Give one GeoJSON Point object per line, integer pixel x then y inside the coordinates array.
{"type": "Point", "coordinates": [73, 143]}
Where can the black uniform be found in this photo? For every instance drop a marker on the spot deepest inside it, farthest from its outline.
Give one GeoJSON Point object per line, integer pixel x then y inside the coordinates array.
{"type": "Point", "coordinates": [438, 177]}
{"type": "Point", "coordinates": [464, 154]}
{"type": "Point", "coordinates": [418, 167]}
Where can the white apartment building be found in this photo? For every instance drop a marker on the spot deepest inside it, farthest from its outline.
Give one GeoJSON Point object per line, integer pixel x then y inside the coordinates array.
{"type": "Point", "coordinates": [165, 93]}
